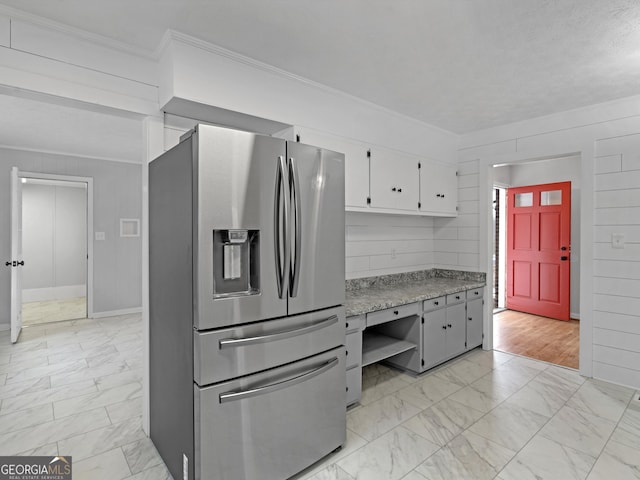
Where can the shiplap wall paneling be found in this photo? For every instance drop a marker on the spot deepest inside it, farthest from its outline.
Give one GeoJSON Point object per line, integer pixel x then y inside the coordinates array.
{"type": "Point", "coordinates": [456, 242]}
{"type": "Point", "coordinates": [616, 283]}
{"type": "Point", "coordinates": [379, 244]}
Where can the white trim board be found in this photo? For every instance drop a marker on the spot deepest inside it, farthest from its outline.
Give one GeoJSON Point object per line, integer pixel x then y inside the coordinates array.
{"type": "Point", "coordinates": [53, 293]}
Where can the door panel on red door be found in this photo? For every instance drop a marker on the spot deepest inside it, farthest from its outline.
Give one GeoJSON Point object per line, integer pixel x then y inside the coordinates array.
{"type": "Point", "coordinates": [538, 244]}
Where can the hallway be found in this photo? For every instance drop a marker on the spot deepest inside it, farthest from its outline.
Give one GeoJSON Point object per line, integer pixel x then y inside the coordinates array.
{"type": "Point", "coordinates": [542, 338]}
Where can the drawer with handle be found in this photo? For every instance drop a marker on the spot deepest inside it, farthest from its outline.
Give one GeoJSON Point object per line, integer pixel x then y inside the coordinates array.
{"type": "Point", "coordinates": [232, 352]}
{"type": "Point", "coordinates": [391, 314]}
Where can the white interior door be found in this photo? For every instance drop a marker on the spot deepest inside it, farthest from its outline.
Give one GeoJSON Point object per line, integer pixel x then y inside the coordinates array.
{"type": "Point", "coordinates": [16, 255]}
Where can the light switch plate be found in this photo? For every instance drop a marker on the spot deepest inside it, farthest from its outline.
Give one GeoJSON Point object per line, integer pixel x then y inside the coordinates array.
{"type": "Point", "coordinates": [617, 240]}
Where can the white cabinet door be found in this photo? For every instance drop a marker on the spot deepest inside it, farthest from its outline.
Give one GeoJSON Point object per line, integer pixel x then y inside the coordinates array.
{"type": "Point", "coordinates": [356, 164]}
{"type": "Point", "coordinates": [438, 189]}
{"type": "Point", "coordinates": [394, 181]}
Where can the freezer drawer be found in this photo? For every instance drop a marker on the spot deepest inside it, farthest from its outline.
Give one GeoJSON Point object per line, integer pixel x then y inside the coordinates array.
{"type": "Point", "coordinates": [271, 425]}
{"type": "Point", "coordinates": [233, 352]}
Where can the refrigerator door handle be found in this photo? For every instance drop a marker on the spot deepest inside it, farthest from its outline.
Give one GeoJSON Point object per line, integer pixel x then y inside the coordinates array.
{"type": "Point", "coordinates": [254, 392]}
{"type": "Point", "coordinates": [281, 228]}
{"type": "Point", "coordinates": [297, 209]}
{"type": "Point", "coordinates": [241, 342]}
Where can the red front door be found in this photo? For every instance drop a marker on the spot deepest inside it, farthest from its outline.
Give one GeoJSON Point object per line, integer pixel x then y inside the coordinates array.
{"type": "Point", "coordinates": [538, 246]}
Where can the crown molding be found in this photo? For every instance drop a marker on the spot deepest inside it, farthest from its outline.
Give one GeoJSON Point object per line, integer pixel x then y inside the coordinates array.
{"type": "Point", "coordinates": [172, 35]}
{"type": "Point", "coordinates": [101, 40]}
{"type": "Point", "coordinates": [68, 154]}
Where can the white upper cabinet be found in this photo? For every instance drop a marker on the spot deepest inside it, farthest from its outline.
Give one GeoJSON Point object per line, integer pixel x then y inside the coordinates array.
{"type": "Point", "coordinates": [438, 189]}
{"type": "Point", "coordinates": [356, 164]}
{"type": "Point", "coordinates": [393, 180]}
{"type": "Point", "coordinates": [383, 180]}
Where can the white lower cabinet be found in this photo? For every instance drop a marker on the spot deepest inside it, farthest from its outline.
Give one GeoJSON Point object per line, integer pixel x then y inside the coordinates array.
{"type": "Point", "coordinates": [414, 337]}
{"type": "Point", "coordinates": [353, 358]}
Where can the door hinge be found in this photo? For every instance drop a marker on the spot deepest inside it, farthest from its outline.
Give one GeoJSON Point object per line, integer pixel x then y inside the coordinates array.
{"type": "Point", "coordinates": [368, 200]}
{"type": "Point", "coordinates": [368, 153]}
{"type": "Point", "coordinates": [298, 138]}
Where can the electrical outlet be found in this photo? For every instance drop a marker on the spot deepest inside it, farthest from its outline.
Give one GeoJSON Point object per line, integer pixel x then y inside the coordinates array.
{"type": "Point", "coordinates": [617, 240]}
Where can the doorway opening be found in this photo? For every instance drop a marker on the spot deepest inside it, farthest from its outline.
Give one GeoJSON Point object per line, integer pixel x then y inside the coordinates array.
{"type": "Point", "coordinates": [535, 336]}
{"type": "Point", "coordinates": [56, 222]}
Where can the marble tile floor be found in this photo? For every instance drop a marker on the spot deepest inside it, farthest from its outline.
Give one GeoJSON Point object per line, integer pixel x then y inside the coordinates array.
{"type": "Point", "coordinates": [35, 313]}
{"type": "Point", "coordinates": [74, 388]}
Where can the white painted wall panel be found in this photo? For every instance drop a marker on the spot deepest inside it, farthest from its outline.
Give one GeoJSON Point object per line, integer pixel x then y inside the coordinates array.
{"type": "Point", "coordinates": [608, 164]}
{"type": "Point", "coordinates": [616, 356]}
{"type": "Point", "coordinates": [615, 374]}
{"type": "Point", "coordinates": [68, 48]}
{"type": "Point", "coordinates": [617, 198]}
{"type": "Point", "coordinates": [612, 338]}
{"type": "Point", "coordinates": [5, 31]}
{"type": "Point", "coordinates": [468, 181]}
{"type": "Point", "coordinates": [616, 268]}
{"type": "Point", "coordinates": [468, 207]}
{"type": "Point", "coordinates": [603, 251]}
{"type": "Point", "coordinates": [623, 287]}
{"type": "Point", "coordinates": [618, 144]}
{"type": "Point", "coordinates": [468, 194]}
{"type": "Point", "coordinates": [617, 216]}
{"type": "Point", "coordinates": [617, 321]}
{"type": "Point", "coordinates": [602, 233]}
{"type": "Point", "coordinates": [469, 233]}
{"type": "Point", "coordinates": [371, 238]}
{"type": "Point", "coordinates": [617, 181]}
{"type": "Point", "coordinates": [614, 304]}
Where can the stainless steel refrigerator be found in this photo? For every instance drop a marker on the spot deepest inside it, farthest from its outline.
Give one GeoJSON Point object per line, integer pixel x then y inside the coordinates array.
{"type": "Point", "coordinates": [247, 326]}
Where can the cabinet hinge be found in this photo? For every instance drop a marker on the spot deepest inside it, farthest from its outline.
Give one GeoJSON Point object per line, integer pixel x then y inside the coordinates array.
{"type": "Point", "coordinates": [465, 344]}
{"type": "Point", "coordinates": [422, 320]}
{"type": "Point", "coordinates": [368, 153]}
{"type": "Point", "coordinates": [419, 165]}
{"type": "Point", "coordinates": [298, 138]}
{"type": "Point", "coordinates": [419, 205]}
{"type": "Point", "coordinates": [368, 200]}
{"type": "Point", "coordinates": [457, 208]}
{"type": "Point", "coordinates": [457, 173]}
{"type": "Point", "coordinates": [422, 363]}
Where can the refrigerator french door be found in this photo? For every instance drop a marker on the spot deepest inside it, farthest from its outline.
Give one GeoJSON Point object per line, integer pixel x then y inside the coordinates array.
{"type": "Point", "coordinates": [247, 322]}
{"type": "Point", "coordinates": [291, 196]}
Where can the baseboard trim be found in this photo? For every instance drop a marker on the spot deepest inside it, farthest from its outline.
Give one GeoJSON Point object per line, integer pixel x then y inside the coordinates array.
{"type": "Point", "coordinates": [115, 313]}
{"type": "Point", "coordinates": [53, 293]}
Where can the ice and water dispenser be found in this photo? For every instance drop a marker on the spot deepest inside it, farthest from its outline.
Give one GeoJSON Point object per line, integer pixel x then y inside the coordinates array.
{"type": "Point", "coordinates": [236, 262]}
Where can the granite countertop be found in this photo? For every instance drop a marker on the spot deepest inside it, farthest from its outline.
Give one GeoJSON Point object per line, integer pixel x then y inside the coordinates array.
{"type": "Point", "coordinates": [369, 294]}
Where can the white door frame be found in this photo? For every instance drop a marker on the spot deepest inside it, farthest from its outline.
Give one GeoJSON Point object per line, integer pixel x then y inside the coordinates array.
{"type": "Point", "coordinates": [486, 181]}
{"type": "Point", "coordinates": [16, 255]}
{"type": "Point", "coordinates": [89, 182]}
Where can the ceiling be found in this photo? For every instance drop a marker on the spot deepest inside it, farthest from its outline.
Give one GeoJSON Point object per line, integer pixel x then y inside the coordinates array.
{"type": "Point", "coordinates": [460, 65]}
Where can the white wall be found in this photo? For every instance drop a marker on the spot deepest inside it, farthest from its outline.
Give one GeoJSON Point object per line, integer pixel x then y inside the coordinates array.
{"type": "Point", "coordinates": [54, 241]}
{"type": "Point", "coordinates": [457, 239]}
{"type": "Point", "coordinates": [117, 194]}
{"type": "Point", "coordinates": [380, 244]}
{"type": "Point", "coordinates": [610, 186]}
{"type": "Point", "coordinates": [549, 171]}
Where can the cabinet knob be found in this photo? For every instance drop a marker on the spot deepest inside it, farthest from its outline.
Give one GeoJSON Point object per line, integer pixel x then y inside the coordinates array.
{"type": "Point", "coordinates": [444, 327]}
{"type": "Point", "coordinates": [393, 189]}
{"type": "Point", "coordinates": [449, 325]}
{"type": "Point", "coordinates": [469, 318]}
{"type": "Point", "coordinates": [476, 293]}
{"type": "Point", "coordinates": [399, 190]}
{"type": "Point", "coordinates": [436, 303]}
{"type": "Point", "coordinates": [457, 297]}
{"type": "Point", "coordinates": [395, 312]}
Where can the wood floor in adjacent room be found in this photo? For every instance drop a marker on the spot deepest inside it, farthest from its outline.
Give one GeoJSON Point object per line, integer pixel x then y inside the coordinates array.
{"type": "Point", "coordinates": [553, 341]}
